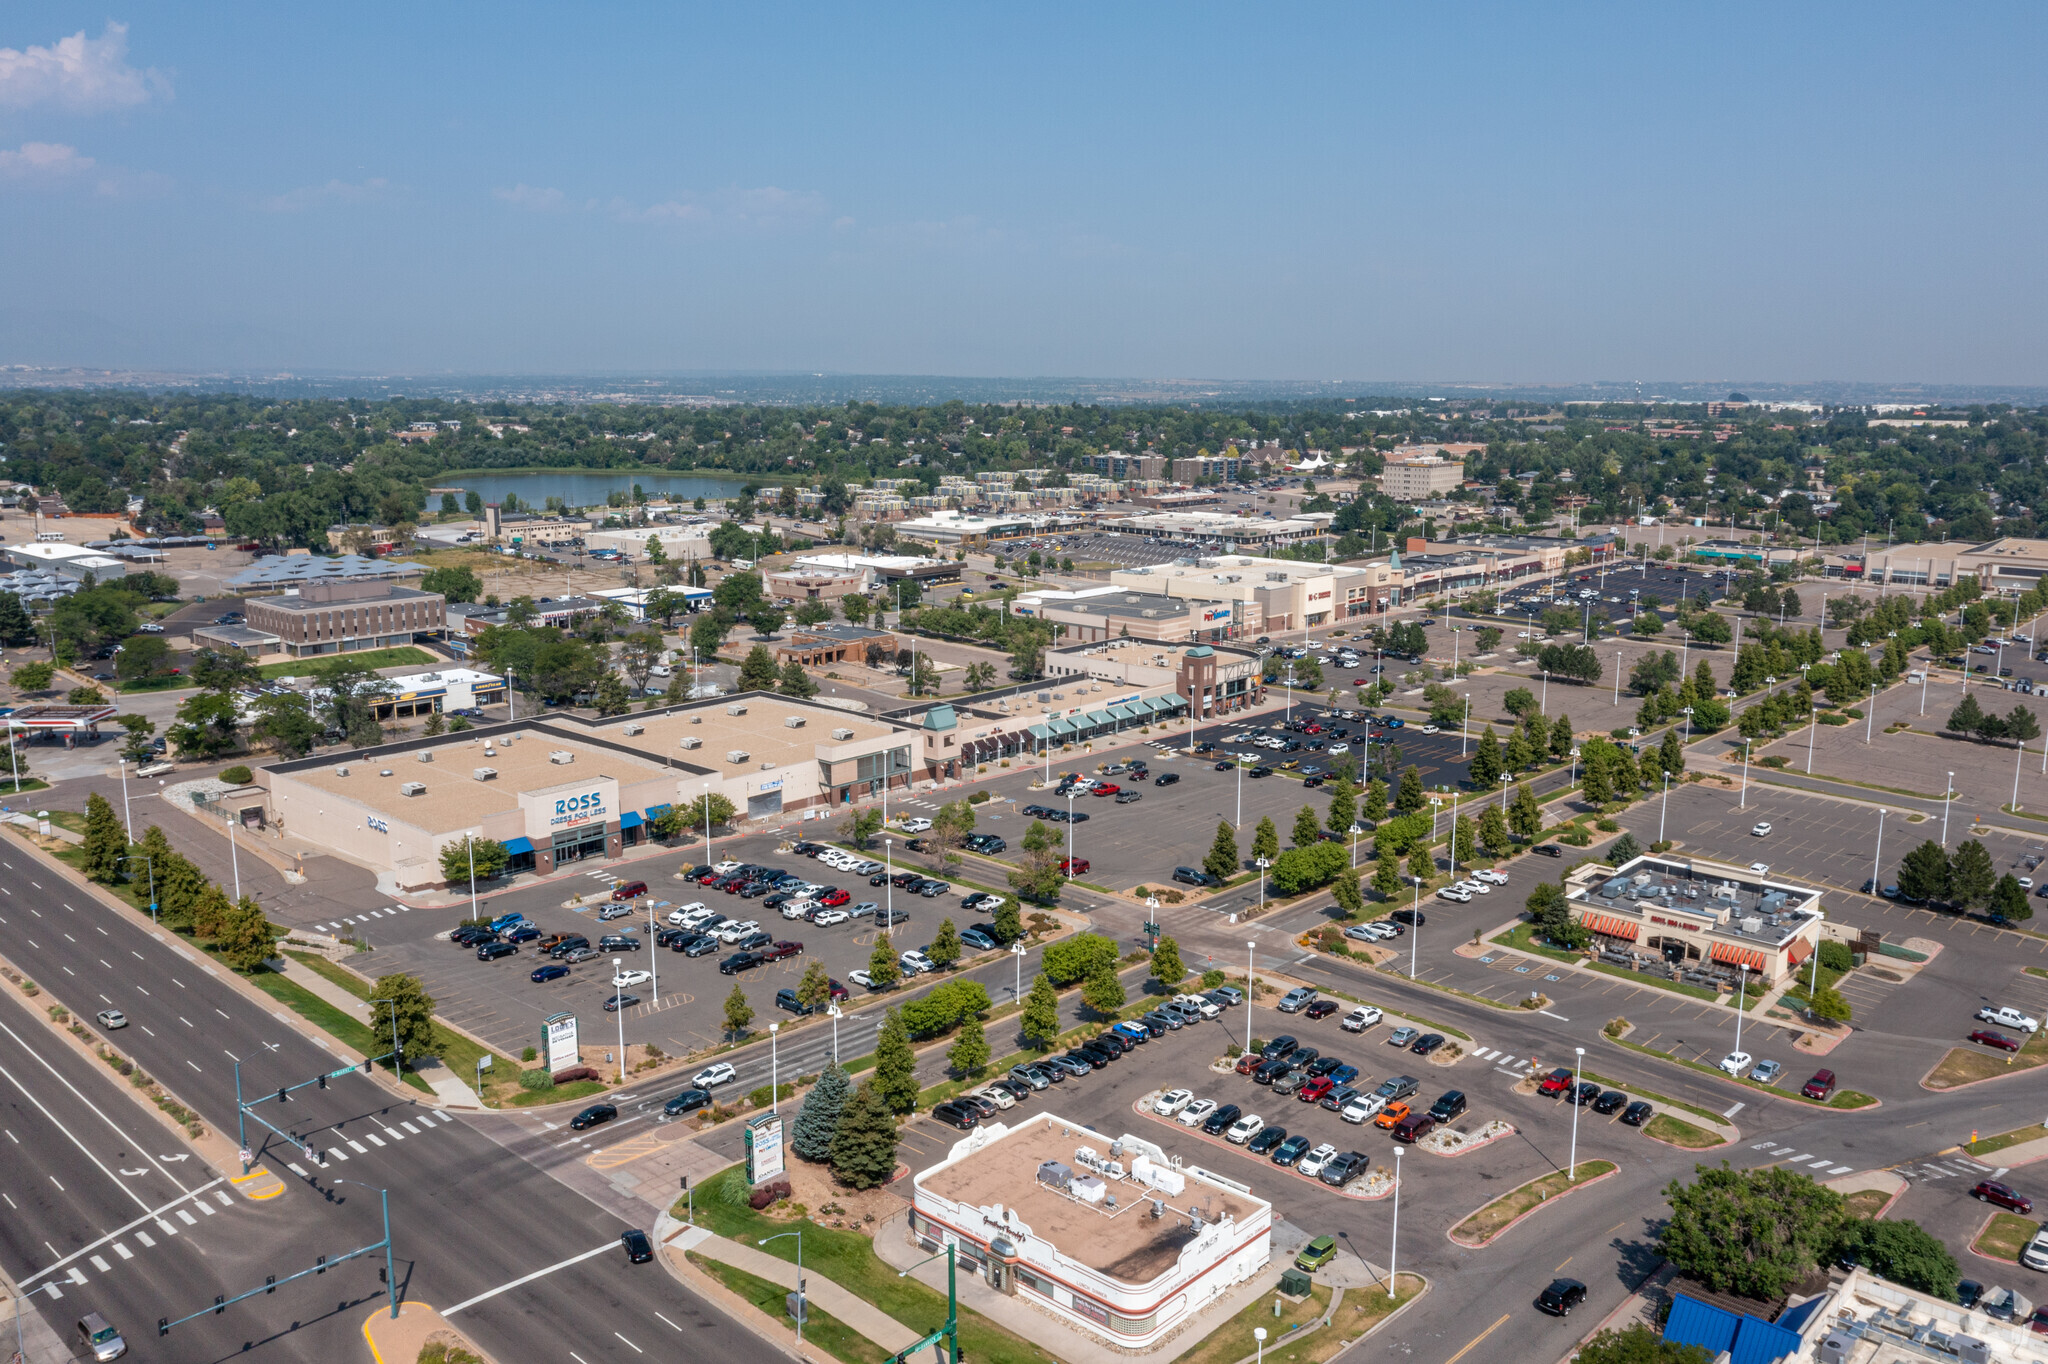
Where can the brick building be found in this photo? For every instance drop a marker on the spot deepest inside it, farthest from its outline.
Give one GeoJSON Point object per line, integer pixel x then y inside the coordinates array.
{"type": "Point", "coordinates": [343, 616]}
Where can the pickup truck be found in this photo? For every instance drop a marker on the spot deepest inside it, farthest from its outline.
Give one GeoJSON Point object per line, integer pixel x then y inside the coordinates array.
{"type": "Point", "coordinates": [2008, 1017]}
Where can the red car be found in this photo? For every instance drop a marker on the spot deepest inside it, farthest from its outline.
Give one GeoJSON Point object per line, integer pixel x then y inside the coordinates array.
{"type": "Point", "coordinates": [1986, 1037]}
{"type": "Point", "coordinates": [1108, 788]}
{"type": "Point", "coordinates": [1557, 1082]}
{"type": "Point", "coordinates": [785, 948]}
{"type": "Point", "coordinates": [1820, 1086]}
{"type": "Point", "coordinates": [1315, 1089]}
{"type": "Point", "coordinates": [631, 890]}
{"type": "Point", "coordinates": [2003, 1196]}
{"type": "Point", "coordinates": [834, 898]}
{"type": "Point", "coordinates": [1361, 681]}
{"type": "Point", "coordinates": [708, 877]}
{"type": "Point", "coordinates": [1247, 1061]}
{"type": "Point", "coordinates": [838, 991]}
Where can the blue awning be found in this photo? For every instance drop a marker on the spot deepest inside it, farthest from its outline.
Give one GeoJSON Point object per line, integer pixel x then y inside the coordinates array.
{"type": "Point", "coordinates": [1156, 704]}
{"type": "Point", "coordinates": [519, 845]}
{"type": "Point", "coordinates": [1101, 717]}
{"type": "Point", "coordinates": [630, 820]}
{"type": "Point", "coordinates": [654, 812]}
{"type": "Point", "coordinates": [1121, 713]}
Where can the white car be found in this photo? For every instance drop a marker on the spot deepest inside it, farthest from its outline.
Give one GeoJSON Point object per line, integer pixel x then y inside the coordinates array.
{"type": "Point", "coordinates": [862, 979]}
{"type": "Point", "coordinates": [1454, 893]}
{"type": "Point", "coordinates": [726, 868]}
{"type": "Point", "coordinates": [1207, 1008]}
{"type": "Point", "coordinates": [1381, 930]}
{"type": "Point", "coordinates": [1761, 828]}
{"type": "Point", "coordinates": [1000, 1098]}
{"type": "Point", "coordinates": [916, 826]}
{"type": "Point", "coordinates": [1490, 877]}
{"type": "Point", "coordinates": [1340, 748]}
{"type": "Point", "coordinates": [1760, 868]}
{"type": "Point", "coordinates": [916, 963]}
{"type": "Point", "coordinates": [626, 978]}
{"type": "Point", "coordinates": [796, 909]}
{"type": "Point", "coordinates": [1314, 1161]}
{"type": "Point", "coordinates": [2035, 1256]}
{"type": "Point", "coordinates": [1362, 1108]}
{"type": "Point", "coordinates": [732, 933]}
{"type": "Point", "coordinates": [1430, 729]}
{"type": "Point", "coordinates": [718, 1073]}
{"type": "Point", "coordinates": [1172, 1102]}
{"type": "Point", "coordinates": [1244, 1129]}
{"type": "Point", "coordinates": [2007, 1016]}
{"type": "Point", "coordinates": [1737, 1063]}
{"type": "Point", "coordinates": [1475, 887]}
{"type": "Point", "coordinates": [828, 917]}
{"type": "Point", "coordinates": [1360, 1018]}
{"type": "Point", "coordinates": [690, 915]}
{"type": "Point", "coordinates": [1192, 1115]}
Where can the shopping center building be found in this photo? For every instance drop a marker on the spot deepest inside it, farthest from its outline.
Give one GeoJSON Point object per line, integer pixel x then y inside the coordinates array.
{"type": "Point", "coordinates": [1115, 1237]}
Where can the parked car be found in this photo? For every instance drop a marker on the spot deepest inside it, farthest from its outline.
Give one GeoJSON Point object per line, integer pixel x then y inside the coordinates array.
{"type": "Point", "coordinates": [1557, 1082]}
{"type": "Point", "coordinates": [2002, 1196]}
{"type": "Point", "coordinates": [957, 1114]}
{"type": "Point", "coordinates": [1322, 1008]}
{"type": "Point", "coordinates": [1637, 1113]}
{"type": "Point", "coordinates": [1360, 1018]}
{"type": "Point", "coordinates": [2008, 1017]}
{"type": "Point", "coordinates": [1172, 1102]}
{"type": "Point", "coordinates": [1610, 1102]}
{"type": "Point", "coordinates": [1246, 1127]}
{"type": "Point", "coordinates": [1987, 1038]}
{"type": "Point", "coordinates": [1342, 1169]}
{"type": "Point", "coordinates": [1220, 1119]}
{"type": "Point", "coordinates": [1767, 1072]}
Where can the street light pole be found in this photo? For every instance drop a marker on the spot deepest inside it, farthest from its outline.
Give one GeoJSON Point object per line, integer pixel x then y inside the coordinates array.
{"type": "Point", "coordinates": [1812, 736]}
{"type": "Point", "coordinates": [1017, 952]}
{"type": "Point", "coordinates": [619, 1008]}
{"type": "Point", "coordinates": [773, 1086]}
{"type": "Point", "coordinates": [1415, 928]}
{"type": "Point", "coordinates": [1745, 775]}
{"type": "Point", "coordinates": [1251, 988]}
{"type": "Point", "coordinates": [1877, 854]}
{"type": "Point", "coordinates": [1394, 1245]}
{"type": "Point", "coordinates": [1947, 794]}
{"type": "Point", "coordinates": [1665, 809]}
{"type": "Point", "coordinates": [1870, 716]}
{"type": "Point", "coordinates": [126, 814]}
{"type": "Point", "coordinates": [835, 1013]}
{"type": "Point", "coordinates": [1571, 1170]}
{"type": "Point", "coordinates": [802, 1307]}
{"type": "Point", "coordinates": [1741, 993]}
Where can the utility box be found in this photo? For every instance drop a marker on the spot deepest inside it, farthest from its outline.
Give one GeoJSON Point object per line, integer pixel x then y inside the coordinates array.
{"type": "Point", "coordinates": [1294, 1283]}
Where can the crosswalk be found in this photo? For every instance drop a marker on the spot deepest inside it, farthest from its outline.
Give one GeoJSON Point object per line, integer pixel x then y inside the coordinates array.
{"type": "Point", "coordinates": [167, 1224]}
{"type": "Point", "coordinates": [341, 924]}
{"type": "Point", "coordinates": [1948, 1167]}
{"type": "Point", "coordinates": [1818, 1165]}
{"type": "Point", "coordinates": [380, 1135]}
{"type": "Point", "coordinates": [1501, 1061]}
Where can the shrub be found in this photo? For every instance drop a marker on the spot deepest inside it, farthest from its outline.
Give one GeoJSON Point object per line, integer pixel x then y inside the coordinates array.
{"type": "Point", "coordinates": [767, 1193]}
{"type": "Point", "coordinates": [1616, 1027]}
{"type": "Point", "coordinates": [1607, 826]}
{"type": "Point", "coordinates": [575, 1073]}
{"type": "Point", "coordinates": [237, 775]}
{"type": "Point", "coordinates": [977, 798]}
{"type": "Point", "coordinates": [529, 1054]}
{"type": "Point", "coordinates": [1211, 979]}
{"type": "Point", "coordinates": [536, 1079]}
{"type": "Point", "coordinates": [1836, 956]}
{"type": "Point", "coordinates": [761, 1098]}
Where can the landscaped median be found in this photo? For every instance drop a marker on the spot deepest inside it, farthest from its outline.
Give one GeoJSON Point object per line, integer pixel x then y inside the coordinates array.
{"type": "Point", "coordinates": [1843, 1100]}
{"type": "Point", "coordinates": [2003, 1236]}
{"type": "Point", "coordinates": [1985, 1146]}
{"type": "Point", "coordinates": [1309, 1331]}
{"type": "Point", "coordinates": [1484, 1226]}
{"type": "Point", "coordinates": [1972, 1065]}
{"type": "Point", "coordinates": [1664, 1126]}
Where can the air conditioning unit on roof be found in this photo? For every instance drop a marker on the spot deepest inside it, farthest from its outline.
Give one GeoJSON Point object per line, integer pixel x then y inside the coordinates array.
{"type": "Point", "coordinates": [634, 728]}
{"type": "Point", "coordinates": [842, 734]}
{"type": "Point", "coordinates": [561, 757]}
{"type": "Point", "coordinates": [737, 755]}
{"type": "Point", "coordinates": [484, 773]}
{"type": "Point", "coordinates": [792, 722]}
{"type": "Point", "coordinates": [692, 741]}
{"type": "Point", "coordinates": [735, 710]}
{"type": "Point", "coordinates": [427, 756]}
{"type": "Point", "coordinates": [413, 788]}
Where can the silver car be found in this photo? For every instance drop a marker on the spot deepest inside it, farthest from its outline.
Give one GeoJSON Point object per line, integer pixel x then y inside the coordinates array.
{"type": "Point", "coordinates": [1767, 1072]}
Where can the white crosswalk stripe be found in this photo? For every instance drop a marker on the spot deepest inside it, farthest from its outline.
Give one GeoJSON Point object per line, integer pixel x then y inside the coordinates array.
{"type": "Point", "coordinates": [337, 1153]}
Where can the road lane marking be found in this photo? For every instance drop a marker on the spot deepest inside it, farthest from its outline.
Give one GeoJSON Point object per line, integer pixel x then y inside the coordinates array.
{"type": "Point", "coordinates": [147, 1240]}
{"type": "Point", "coordinates": [541, 1274]}
{"type": "Point", "coordinates": [373, 1139]}
{"type": "Point", "coordinates": [123, 1251]}
{"type": "Point", "coordinates": [358, 1147]}
{"type": "Point", "coordinates": [185, 1216]}
{"type": "Point", "coordinates": [99, 1263]}
{"type": "Point", "coordinates": [636, 1349]}
{"type": "Point", "coordinates": [1476, 1339]}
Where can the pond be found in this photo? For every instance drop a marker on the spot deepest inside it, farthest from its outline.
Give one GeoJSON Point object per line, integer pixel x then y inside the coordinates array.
{"type": "Point", "coordinates": [589, 487]}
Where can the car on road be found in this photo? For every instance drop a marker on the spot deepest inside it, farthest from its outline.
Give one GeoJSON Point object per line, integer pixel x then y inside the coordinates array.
{"type": "Point", "coordinates": [629, 890]}
{"type": "Point", "coordinates": [2008, 1017]}
{"type": "Point", "coordinates": [1736, 1062]}
{"type": "Point", "coordinates": [542, 975]}
{"type": "Point", "coordinates": [1985, 1037]}
{"type": "Point", "coordinates": [111, 1018]}
{"type": "Point", "coordinates": [1637, 1113]}
{"type": "Point", "coordinates": [689, 1101]}
{"type": "Point", "coordinates": [592, 1116]}
{"type": "Point", "coordinates": [2002, 1196]}
{"type": "Point", "coordinates": [639, 1247]}
{"type": "Point", "coordinates": [1561, 1296]}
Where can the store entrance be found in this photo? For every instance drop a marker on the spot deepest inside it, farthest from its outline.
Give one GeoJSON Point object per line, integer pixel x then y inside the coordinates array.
{"type": "Point", "coordinates": [573, 845]}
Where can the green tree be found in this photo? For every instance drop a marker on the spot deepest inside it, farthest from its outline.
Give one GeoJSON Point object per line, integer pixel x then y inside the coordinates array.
{"type": "Point", "coordinates": [210, 912]}
{"type": "Point", "coordinates": [1039, 1020]}
{"type": "Point", "coordinates": [1343, 811]}
{"type": "Point", "coordinates": [1265, 841]}
{"type": "Point", "coordinates": [32, 676]}
{"type": "Point", "coordinates": [245, 941]}
{"type": "Point", "coordinates": [814, 991]}
{"type": "Point", "coordinates": [143, 657]}
{"type": "Point", "coordinates": [969, 1053]}
{"type": "Point", "coordinates": [818, 1120]}
{"type": "Point", "coordinates": [1966, 718]}
{"type": "Point", "coordinates": [489, 853]}
{"type": "Point", "coordinates": [1307, 828]}
{"type": "Point", "coordinates": [612, 697]}
{"type": "Point", "coordinates": [1623, 850]}
{"type": "Point", "coordinates": [895, 1065]}
{"type": "Point", "coordinates": [860, 826]}
{"type": "Point", "coordinates": [1671, 753]}
{"type": "Point", "coordinates": [1971, 875]}
{"type": "Point", "coordinates": [1493, 832]}
{"type": "Point", "coordinates": [1079, 957]}
{"type": "Point", "coordinates": [796, 682]}
{"type": "Point", "coordinates": [1905, 1253]}
{"type": "Point", "coordinates": [1103, 990]}
{"type": "Point", "coordinates": [208, 725]}
{"type": "Point", "coordinates": [1830, 1006]}
{"type": "Point", "coordinates": [1410, 799]}
{"type": "Point", "coordinates": [1754, 1232]}
{"type": "Point", "coordinates": [1037, 876]}
{"type": "Point", "coordinates": [105, 841]}
{"type": "Point", "coordinates": [457, 584]}
{"type": "Point", "coordinates": [884, 969]}
{"type": "Point", "coordinates": [1222, 860]}
{"type": "Point", "coordinates": [738, 1013]}
{"type": "Point", "coordinates": [285, 721]}
{"type": "Point", "coordinates": [1487, 764]}
{"type": "Point", "coordinates": [180, 887]}
{"type": "Point", "coordinates": [1009, 920]}
{"type": "Point", "coordinates": [945, 946]}
{"type": "Point", "coordinates": [402, 995]}
{"type": "Point", "coordinates": [1374, 808]}
{"type": "Point", "coordinates": [135, 748]}
{"type": "Point", "coordinates": [1386, 876]}
{"type": "Point", "coordinates": [953, 822]}
{"type": "Point", "coordinates": [1924, 873]}
{"type": "Point", "coordinates": [1345, 890]}
{"type": "Point", "coordinates": [1561, 737]}
{"type": "Point", "coordinates": [864, 1142]}
{"type": "Point", "coordinates": [2009, 898]}
{"type": "Point", "coordinates": [1167, 967]}
{"type": "Point", "coordinates": [758, 671]}
{"type": "Point", "coordinates": [1639, 1344]}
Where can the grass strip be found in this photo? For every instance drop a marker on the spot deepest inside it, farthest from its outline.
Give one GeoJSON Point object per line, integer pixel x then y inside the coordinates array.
{"type": "Point", "coordinates": [326, 1017]}
{"type": "Point", "coordinates": [2005, 1236]}
{"type": "Point", "coordinates": [1679, 1132]}
{"type": "Point", "coordinates": [821, 1328]}
{"type": "Point", "coordinates": [557, 1094]}
{"type": "Point", "coordinates": [1867, 1202]}
{"type": "Point", "coordinates": [1791, 1095]}
{"type": "Point", "coordinates": [1986, 1145]}
{"type": "Point", "coordinates": [368, 658]}
{"type": "Point", "coordinates": [1360, 1311]}
{"type": "Point", "coordinates": [1967, 1065]}
{"type": "Point", "coordinates": [1851, 1098]}
{"type": "Point", "coordinates": [458, 1052]}
{"type": "Point", "coordinates": [848, 1259]}
{"type": "Point", "coordinates": [1489, 1221]}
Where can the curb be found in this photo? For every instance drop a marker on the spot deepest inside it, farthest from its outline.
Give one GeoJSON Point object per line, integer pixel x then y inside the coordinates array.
{"type": "Point", "coordinates": [2014, 1073]}
{"type": "Point", "coordinates": [1982, 1227]}
{"type": "Point", "coordinates": [1482, 1245]}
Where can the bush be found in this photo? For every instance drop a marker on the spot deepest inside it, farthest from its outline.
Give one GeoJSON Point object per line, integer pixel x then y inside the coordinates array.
{"type": "Point", "coordinates": [1615, 1027]}
{"type": "Point", "coordinates": [529, 1054]}
{"type": "Point", "coordinates": [1607, 826]}
{"type": "Point", "coordinates": [575, 1073]}
{"type": "Point", "coordinates": [767, 1193]}
{"type": "Point", "coordinates": [977, 798]}
{"type": "Point", "coordinates": [1211, 979]}
{"type": "Point", "coordinates": [536, 1079]}
{"type": "Point", "coordinates": [237, 776]}
{"type": "Point", "coordinates": [761, 1098]}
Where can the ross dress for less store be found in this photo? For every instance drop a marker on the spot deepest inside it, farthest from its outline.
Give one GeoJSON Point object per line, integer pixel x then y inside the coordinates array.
{"type": "Point", "coordinates": [563, 789]}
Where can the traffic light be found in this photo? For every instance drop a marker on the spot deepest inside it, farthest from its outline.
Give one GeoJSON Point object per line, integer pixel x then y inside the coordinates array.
{"type": "Point", "coordinates": [383, 1275]}
{"type": "Point", "coordinates": [320, 1265]}
{"type": "Point", "coordinates": [163, 1326]}
{"type": "Point", "coordinates": [220, 1303]}
{"type": "Point", "coordinates": [284, 1095]}
{"type": "Point", "coordinates": [366, 1065]}
{"type": "Point", "coordinates": [323, 1080]}
{"type": "Point", "coordinates": [270, 1283]}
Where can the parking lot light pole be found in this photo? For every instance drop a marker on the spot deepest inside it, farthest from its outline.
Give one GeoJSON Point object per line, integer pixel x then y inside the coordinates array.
{"type": "Point", "coordinates": [1543, 706]}
{"type": "Point", "coordinates": [889, 883]}
{"type": "Point", "coordinates": [619, 1008]}
{"type": "Point", "coordinates": [2018, 754]}
{"type": "Point", "coordinates": [1251, 988]}
{"type": "Point", "coordinates": [1240, 791]}
{"type": "Point", "coordinates": [1812, 735]}
{"type": "Point", "coordinates": [1745, 776]}
{"type": "Point", "coordinates": [1870, 716]}
{"type": "Point", "coordinates": [835, 1013]}
{"type": "Point", "coordinates": [1465, 727]}
{"type": "Point", "coordinates": [1571, 1168]}
{"type": "Point", "coordinates": [1017, 952]}
{"type": "Point", "coordinates": [1923, 683]}
{"type": "Point", "coordinates": [1947, 794]}
{"type": "Point", "coordinates": [802, 1307]}
{"type": "Point", "coordinates": [1665, 809]}
{"type": "Point", "coordinates": [1415, 929]}
{"type": "Point", "coordinates": [1741, 993]}
{"type": "Point", "coordinates": [653, 956]}
{"type": "Point", "coordinates": [1070, 835]}
{"type": "Point", "coordinates": [1394, 1245]}
{"type": "Point", "coordinates": [1259, 1335]}
{"type": "Point", "coordinates": [1262, 863]}
{"type": "Point", "coordinates": [773, 1088]}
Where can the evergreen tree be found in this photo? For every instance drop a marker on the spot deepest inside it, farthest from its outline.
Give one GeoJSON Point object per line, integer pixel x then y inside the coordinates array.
{"type": "Point", "coordinates": [104, 840]}
{"type": "Point", "coordinates": [1386, 877]}
{"type": "Point", "coordinates": [1265, 841]}
{"type": "Point", "coordinates": [1671, 754]}
{"type": "Point", "coordinates": [1623, 849]}
{"type": "Point", "coordinates": [1463, 843]}
{"type": "Point", "coordinates": [795, 681]}
{"type": "Point", "coordinates": [1307, 828]}
{"type": "Point", "coordinates": [1486, 761]}
{"type": "Point", "coordinates": [1345, 890]}
{"type": "Point", "coordinates": [2009, 900]}
{"type": "Point", "coordinates": [895, 1065]}
{"type": "Point", "coordinates": [414, 1008]}
{"type": "Point", "coordinates": [244, 939]}
{"type": "Point", "coordinates": [1520, 757]}
{"type": "Point", "coordinates": [1040, 1019]}
{"type": "Point", "coordinates": [1924, 873]}
{"type": "Point", "coordinates": [210, 912]}
{"type": "Point", "coordinates": [969, 1053]}
{"type": "Point", "coordinates": [945, 947]}
{"type": "Point", "coordinates": [1009, 920]}
{"type": "Point", "coordinates": [758, 671]}
{"type": "Point", "coordinates": [180, 886]}
{"type": "Point", "coordinates": [1561, 738]}
{"type": "Point", "coordinates": [1343, 811]}
{"type": "Point", "coordinates": [1971, 875]}
{"type": "Point", "coordinates": [1222, 861]}
{"type": "Point", "coordinates": [884, 969]}
{"type": "Point", "coordinates": [1421, 862]}
{"type": "Point", "coordinates": [1593, 780]}
{"type": "Point", "coordinates": [1411, 799]}
{"type": "Point", "coordinates": [864, 1141]}
{"type": "Point", "coordinates": [1967, 717]}
{"type": "Point", "coordinates": [1167, 968]}
{"type": "Point", "coordinates": [1374, 807]}
{"type": "Point", "coordinates": [1103, 990]}
{"type": "Point", "coordinates": [611, 697]}
{"type": "Point", "coordinates": [1493, 832]}
{"type": "Point", "coordinates": [1525, 813]}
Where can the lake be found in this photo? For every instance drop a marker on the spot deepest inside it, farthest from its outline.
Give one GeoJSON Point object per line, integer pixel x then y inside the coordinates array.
{"type": "Point", "coordinates": [589, 487]}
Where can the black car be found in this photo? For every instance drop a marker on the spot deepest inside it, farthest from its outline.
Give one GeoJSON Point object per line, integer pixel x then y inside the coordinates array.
{"type": "Point", "coordinates": [1450, 1104]}
{"type": "Point", "coordinates": [1323, 1065]}
{"type": "Point", "coordinates": [957, 1114]}
{"type": "Point", "coordinates": [1637, 1113]}
{"type": "Point", "coordinates": [472, 935]}
{"type": "Point", "coordinates": [1609, 1102]}
{"type": "Point", "coordinates": [1584, 1093]}
{"type": "Point", "coordinates": [1322, 1008]}
{"type": "Point", "coordinates": [491, 951]}
{"type": "Point", "coordinates": [1278, 1047]}
{"type": "Point", "coordinates": [1968, 1292]}
{"type": "Point", "coordinates": [1194, 876]}
{"type": "Point", "coordinates": [619, 942]}
{"type": "Point", "coordinates": [1094, 1060]}
{"type": "Point", "coordinates": [1262, 771]}
{"type": "Point", "coordinates": [1561, 1297]}
{"type": "Point", "coordinates": [639, 1249]}
{"type": "Point", "coordinates": [689, 1101]}
{"type": "Point", "coordinates": [593, 1115]}
{"type": "Point", "coordinates": [1409, 916]}
{"type": "Point", "coordinates": [1268, 1139]}
{"type": "Point", "coordinates": [1166, 779]}
{"type": "Point", "coordinates": [1548, 850]}
{"type": "Point", "coordinates": [1219, 1122]}
{"type": "Point", "coordinates": [1266, 1072]}
{"type": "Point", "coordinates": [1224, 767]}
{"type": "Point", "coordinates": [1427, 1043]}
{"type": "Point", "coordinates": [738, 962]}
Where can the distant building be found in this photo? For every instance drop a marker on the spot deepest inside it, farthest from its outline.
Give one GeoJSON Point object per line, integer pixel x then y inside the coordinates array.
{"type": "Point", "coordinates": [1118, 465]}
{"type": "Point", "coordinates": [824, 646]}
{"type": "Point", "coordinates": [1110, 612]}
{"type": "Point", "coordinates": [1704, 920]}
{"type": "Point", "coordinates": [1418, 478]}
{"type": "Point", "coordinates": [343, 617]}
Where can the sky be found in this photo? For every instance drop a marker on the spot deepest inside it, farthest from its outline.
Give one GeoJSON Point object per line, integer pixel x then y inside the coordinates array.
{"type": "Point", "coordinates": [1501, 194]}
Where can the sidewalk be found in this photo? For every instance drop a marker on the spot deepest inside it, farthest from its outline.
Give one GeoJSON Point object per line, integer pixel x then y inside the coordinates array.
{"type": "Point", "coordinates": [856, 1312]}
{"type": "Point", "coordinates": [451, 1090]}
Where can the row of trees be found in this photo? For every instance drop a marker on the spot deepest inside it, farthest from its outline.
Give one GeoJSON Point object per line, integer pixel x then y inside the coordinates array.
{"type": "Point", "coordinates": [1972, 721]}
{"type": "Point", "coordinates": [1965, 879]}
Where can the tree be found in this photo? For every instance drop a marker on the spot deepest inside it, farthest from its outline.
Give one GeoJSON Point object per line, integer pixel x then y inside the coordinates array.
{"type": "Point", "coordinates": [969, 1053]}
{"type": "Point", "coordinates": [1923, 873]}
{"type": "Point", "coordinates": [1009, 920]}
{"type": "Point", "coordinates": [1638, 1345]}
{"type": "Point", "coordinates": [489, 853]}
{"type": "Point", "coordinates": [1265, 841]}
{"type": "Point", "coordinates": [1037, 876]}
{"type": "Point", "coordinates": [1040, 1019]}
{"type": "Point", "coordinates": [1654, 671]}
{"type": "Point", "coordinates": [864, 1142]}
{"type": "Point", "coordinates": [1493, 832]}
{"type": "Point", "coordinates": [814, 991]}
{"type": "Point", "coordinates": [2020, 725]}
{"type": "Point", "coordinates": [1307, 828]}
{"type": "Point", "coordinates": [1561, 737]}
{"type": "Point", "coordinates": [1754, 1232]}
{"type": "Point", "coordinates": [1386, 877]}
{"type": "Point", "coordinates": [860, 826]}
{"type": "Point", "coordinates": [105, 840]}
{"type": "Point", "coordinates": [612, 697]}
{"type": "Point", "coordinates": [32, 676]}
{"type": "Point", "coordinates": [1410, 799]}
{"type": "Point", "coordinates": [1905, 1253]}
{"type": "Point", "coordinates": [207, 725]}
{"type": "Point", "coordinates": [135, 748]}
{"type": "Point", "coordinates": [1374, 808]}
{"type": "Point", "coordinates": [1103, 990]}
{"type": "Point", "coordinates": [1222, 860]}
{"type": "Point", "coordinates": [738, 1013]}
{"type": "Point", "coordinates": [1167, 967]}
{"type": "Point", "coordinates": [1343, 811]}
{"type": "Point", "coordinates": [1079, 957]}
{"type": "Point", "coordinates": [142, 658]}
{"type": "Point", "coordinates": [1345, 890]}
{"type": "Point", "coordinates": [180, 886]}
{"type": "Point", "coordinates": [945, 946]}
{"type": "Point", "coordinates": [456, 584]}
{"type": "Point", "coordinates": [285, 721]}
{"type": "Point", "coordinates": [1519, 701]}
{"type": "Point", "coordinates": [953, 823]}
{"type": "Point", "coordinates": [979, 677]}
{"type": "Point", "coordinates": [1623, 849]}
{"type": "Point", "coordinates": [1830, 1006]}
{"type": "Point", "coordinates": [818, 1120]}
{"type": "Point", "coordinates": [884, 969]}
{"type": "Point", "coordinates": [758, 672]}
{"type": "Point", "coordinates": [895, 1065]}
{"type": "Point", "coordinates": [244, 940]}
{"type": "Point", "coordinates": [796, 682]}
{"type": "Point", "coordinates": [1971, 875]}
{"type": "Point", "coordinates": [402, 996]}
{"type": "Point", "coordinates": [15, 626]}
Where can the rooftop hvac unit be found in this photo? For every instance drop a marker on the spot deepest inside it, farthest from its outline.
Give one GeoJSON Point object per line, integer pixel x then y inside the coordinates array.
{"type": "Point", "coordinates": [692, 741]}
{"type": "Point", "coordinates": [735, 710]}
{"type": "Point", "coordinates": [792, 722]}
{"type": "Point", "coordinates": [413, 788]}
{"type": "Point", "coordinates": [737, 755]}
{"type": "Point", "coordinates": [341, 771]}
{"type": "Point", "coordinates": [1056, 1173]}
{"type": "Point", "coordinates": [696, 719]}
{"type": "Point", "coordinates": [767, 767]}
{"type": "Point", "coordinates": [561, 757]}
{"type": "Point", "coordinates": [427, 755]}
{"type": "Point", "coordinates": [635, 728]}
{"type": "Point", "coordinates": [489, 752]}
{"type": "Point", "coordinates": [842, 734]}
{"type": "Point", "coordinates": [1752, 924]}
{"type": "Point", "coordinates": [484, 773]}
{"type": "Point", "coordinates": [383, 771]}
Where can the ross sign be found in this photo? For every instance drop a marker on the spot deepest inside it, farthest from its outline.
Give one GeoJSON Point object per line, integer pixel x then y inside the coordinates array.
{"type": "Point", "coordinates": [764, 1148]}
{"type": "Point", "coordinates": [573, 810]}
{"type": "Point", "coordinates": [558, 1041]}
{"type": "Point", "coordinates": [376, 823]}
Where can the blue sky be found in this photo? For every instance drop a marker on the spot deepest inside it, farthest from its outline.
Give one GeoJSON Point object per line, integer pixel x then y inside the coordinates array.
{"type": "Point", "coordinates": [1511, 194]}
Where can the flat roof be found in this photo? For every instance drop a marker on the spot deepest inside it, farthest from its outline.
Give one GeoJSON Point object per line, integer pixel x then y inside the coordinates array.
{"type": "Point", "coordinates": [304, 568]}
{"type": "Point", "coordinates": [292, 601]}
{"type": "Point", "coordinates": [1138, 604]}
{"type": "Point", "coordinates": [1728, 897]}
{"type": "Point", "coordinates": [1125, 1242]}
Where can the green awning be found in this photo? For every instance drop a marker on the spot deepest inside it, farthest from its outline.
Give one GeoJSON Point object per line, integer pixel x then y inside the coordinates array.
{"type": "Point", "coordinates": [1037, 732]}
{"type": "Point", "coordinates": [1101, 717]}
{"type": "Point", "coordinates": [1156, 704]}
{"type": "Point", "coordinates": [1123, 714]}
{"type": "Point", "coordinates": [1062, 728]}
{"type": "Point", "coordinates": [1175, 701]}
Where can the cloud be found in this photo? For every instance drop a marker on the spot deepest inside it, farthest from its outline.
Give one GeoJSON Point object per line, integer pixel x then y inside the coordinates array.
{"type": "Point", "coordinates": [78, 73]}
{"type": "Point", "coordinates": [759, 209]}
{"type": "Point", "coordinates": [533, 197]}
{"type": "Point", "coordinates": [333, 192]}
{"type": "Point", "coordinates": [43, 161]}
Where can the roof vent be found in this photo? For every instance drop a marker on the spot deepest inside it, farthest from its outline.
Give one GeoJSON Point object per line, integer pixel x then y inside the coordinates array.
{"type": "Point", "coordinates": [384, 772]}
{"type": "Point", "coordinates": [341, 771]}
{"type": "Point", "coordinates": [427, 755]}
{"type": "Point", "coordinates": [634, 728]}
{"type": "Point", "coordinates": [842, 734]}
{"type": "Point", "coordinates": [696, 719]}
{"type": "Point", "coordinates": [735, 710]}
{"type": "Point", "coordinates": [737, 755]}
{"type": "Point", "coordinates": [485, 773]}
{"type": "Point", "coordinates": [767, 767]}
{"type": "Point", "coordinates": [692, 741]}
{"type": "Point", "coordinates": [413, 788]}
{"type": "Point", "coordinates": [561, 757]}
{"type": "Point", "coordinates": [792, 722]}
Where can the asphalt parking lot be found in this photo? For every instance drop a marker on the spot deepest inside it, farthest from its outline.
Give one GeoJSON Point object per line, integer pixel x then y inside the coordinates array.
{"type": "Point", "coordinates": [1124, 551]}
